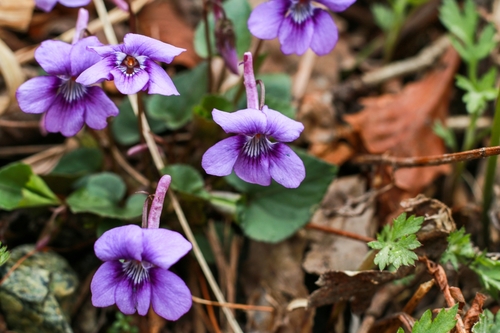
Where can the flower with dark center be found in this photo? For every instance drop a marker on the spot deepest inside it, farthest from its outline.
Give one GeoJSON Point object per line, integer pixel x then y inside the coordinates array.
{"type": "Point", "coordinates": [135, 273]}
{"type": "Point", "coordinates": [251, 153]}
{"type": "Point", "coordinates": [132, 66]}
{"type": "Point", "coordinates": [298, 24]}
{"type": "Point", "coordinates": [67, 103]}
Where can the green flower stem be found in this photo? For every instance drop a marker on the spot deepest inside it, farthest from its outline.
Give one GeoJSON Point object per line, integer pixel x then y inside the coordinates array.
{"type": "Point", "coordinates": [490, 174]}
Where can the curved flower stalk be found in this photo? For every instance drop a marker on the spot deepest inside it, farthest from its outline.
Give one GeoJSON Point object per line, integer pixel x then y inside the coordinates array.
{"type": "Point", "coordinates": [132, 66]}
{"type": "Point", "coordinates": [135, 274]}
{"type": "Point", "coordinates": [225, 39]}
{"type": "Point", "coordinates": [48, 5]}
{"type": "Point", "coordinates": [68, 104]}
{"type": "Point", "coordinates": [298, 24]}
{"type": "Point", "coordinates": [251, 153]}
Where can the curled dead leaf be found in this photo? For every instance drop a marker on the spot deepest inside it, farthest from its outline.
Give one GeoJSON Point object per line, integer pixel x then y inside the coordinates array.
{"type": "Point", "coordinates": [11, 72]}
{"type": "Point", "coordinates": [16, 14]}
{"type": "Point", "coordinates": [472, 316]}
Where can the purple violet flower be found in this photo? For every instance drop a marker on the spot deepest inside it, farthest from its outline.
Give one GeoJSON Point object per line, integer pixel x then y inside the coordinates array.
{"type": "Point", "coordinates": [253, 156]}
{"type": "Point", "coordinates": [135, 272]}
{"type": "Point", "coordinates": [132, 66]}
{"type": "Point", "coordinates": [68, 104]}
{"type": "Point", "coordinates": [225, 39]}
{"type": "Point", "coordinates": [298, 24]}
{"type": "Point", "coordinates": [48, 5]}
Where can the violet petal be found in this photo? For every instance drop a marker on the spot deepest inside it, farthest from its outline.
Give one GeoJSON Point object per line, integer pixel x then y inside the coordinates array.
{"type": "Point", "coordinates": [280, 127]}
{"type": "Point", "coordinates": [106, 50]}
{"type": "Point", "coordinates": [74, 3]}
{"type": "Point", "coordinates": [81, 57]}
{"type": "Point", "coordinates": [285, 166]}
{"type": "Point", "coordinates": [125, 296]}
{"type": "Point", "coordinates": [130, 84]}
{"type": "Point", "coordinates": [120, 243]}
{"type": "Point", "coordinates": [170, 296]}
{"type": "Point", "coordinates": [337, 5]}
{"type": "Point", "coordinates": [265, 20]}
{"type": "Point", "coordinates": [136, 45]}
{"type": "Point", "coordinates": [45, 5]}
{"type": "Point", "coordinates": [97, 73]}
{"type": "Point", "coordinates": [294, 37]}
{"type": "Point", "coordinates": [325, 33]}
{"type": "Point", "coordinates": [142, 297]}
{"type": "Point", "coordinates": [163, 247]}
{"type": "Point", "coordinates": [219, 159]}
{"type": "Point", "coordinates": [246, 121]}
{"type": "Point", "coordinates": [98, 107]}
{"type": "Point", "coordinates": [65, 117]}
{"type": "Point", "coordinates": [37, 94]}
{"type": "Point", "coordinates": [53, 57]}
{"type": "Point", "coordinates": [253, 170]}
{"type": "Point", "coordinates": [104, 283]}
{"type": "Point", "coordinates": [159, 81]}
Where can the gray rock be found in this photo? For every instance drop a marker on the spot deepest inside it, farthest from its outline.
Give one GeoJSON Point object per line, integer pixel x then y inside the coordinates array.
{"type": "Point", "coordinates": [37, 297]}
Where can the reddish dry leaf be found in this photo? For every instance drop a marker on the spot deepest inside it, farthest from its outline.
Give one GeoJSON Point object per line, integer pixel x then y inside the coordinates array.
{"type": "Point", "coordinates": [472, 316]}
{"type": "Point", "coordinates": [162, 21]}
{"type": "Point", "coordinates": [357, 287]}
{"type": "Point", "coordinates": [401, 124]}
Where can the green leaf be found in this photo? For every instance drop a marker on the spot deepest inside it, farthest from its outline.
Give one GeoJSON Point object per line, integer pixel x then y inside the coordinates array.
{"type": "Point", "coordinates": [79, 162]}
{"type": "Point", "coordinates": [20, 187]}
{"type": "Point", "coordinates": [488, 271]}
{"type": "Point", "coordinates": [486, 42]}
{"type": "Point", "coordinates": [476, 98]}
{"type": "Point", "coordinates": [443, 323]}
{"type": "Point", "coordinates": [101, 194]}
{"type": "Point", "coordinates": [273, 213]}
{"type": "Point", "coordinates": [459, 248]}
{"type": "Point", "coordinates": [462, 25]}
{"type": "Point", "coordinates": [238, 11]}
{"type": "Point", "coordinates": [488, 323]}
{"type": "Point", "coordinates": [176, 111]}
{"type": "Point", "coordinates": [4, 254]}
{"type": "Point", "coordinates": [125, 126]}
{"type": "Point", "coordinates": [396, 242]}
{"type": "Point", "coordinates": [210, 102]}
{"type": "Point", "coordinates": [278, 93]}
{"type": "Point", "coordinates": [186, 179]}
{"type": "Point", "coordinates": [446, 134]}
{"type": "Point", "coordinates": [384, 17]}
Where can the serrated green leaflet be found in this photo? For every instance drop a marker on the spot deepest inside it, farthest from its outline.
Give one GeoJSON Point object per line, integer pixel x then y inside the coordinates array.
{"type": "Point", "coordinates": [396, 242]}
{"type": "Point", "coordinates": [443, 323]}
{"type": "Point", "coordinates": [273, 213]}
{"type": "Point", "coordinates": [20, 187]}
{"type": "Point", "coordinates": [488, 323]}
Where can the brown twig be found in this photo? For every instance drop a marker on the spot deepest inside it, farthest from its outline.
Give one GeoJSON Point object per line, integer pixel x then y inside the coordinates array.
{"type": "Point", "coordinates": [339, 232]}
{"type": "Point", "coordinates": [17, 264]}
{"type": "Point", "coordinates": [210, 309]}
{"type": "Point", "coordinates": [421, 161]}
{"type": "Point", "coordinates": [245, 307]}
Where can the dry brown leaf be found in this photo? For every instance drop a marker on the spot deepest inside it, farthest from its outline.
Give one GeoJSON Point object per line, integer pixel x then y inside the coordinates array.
{"type": "Point", "coordinates": [401, 124]}
{"type": "Point", "coordinates": [438, 224]}
{"type": "Point", "coordinates": [472, 316]}
{"type": "Point", "coordinates": [162, 21]}
{"type": "Point", "coordinates": [329, 252]}
{"type": "Point", "coordinates": [357, 287]}
{"type": "Point", "coordinates": [11, 71]}
{"type": "Point", "coordinates": [273, 276]}
{"type": "Point", "coordinates": [16, 14]}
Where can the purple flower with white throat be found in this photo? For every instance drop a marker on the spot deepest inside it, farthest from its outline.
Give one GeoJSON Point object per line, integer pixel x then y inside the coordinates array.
{"type": "Point", "coordinates": [132, 66]}
{"type": "Point", "coordinates": [68, 104]}
{"type": "Point", "coordinates": [251, 153]}
{"type": "Point", "coordinates": [298, 24]}
{"type": "Point", "coordinates": [135, 274]}
{"type": "Point", "coordinates": [48, 5]}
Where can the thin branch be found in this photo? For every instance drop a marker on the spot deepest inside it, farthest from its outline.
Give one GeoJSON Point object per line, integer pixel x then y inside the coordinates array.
{"type": "Point", "coordinates": [412, 162]}
{"type": "Point", "coordinates": [340, 232]}
{"type": "Point", "coordinates": [245, 307]}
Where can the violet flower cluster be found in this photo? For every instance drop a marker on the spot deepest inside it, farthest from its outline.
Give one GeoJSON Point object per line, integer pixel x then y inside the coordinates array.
{"type": "Point", "coordinates": [66, 103]}
{"type": "Point", "coordinates": [298, 24]}
{"type": "Point", "coordinates": [135, 274]}
{"type": "Point", "coordinates": [251, 153]}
